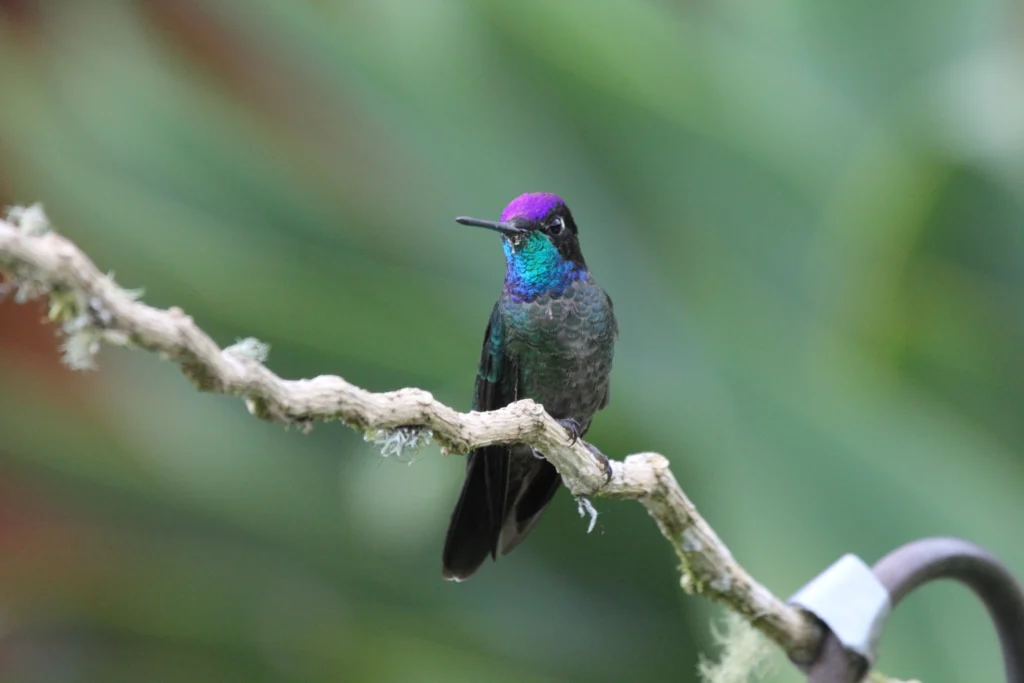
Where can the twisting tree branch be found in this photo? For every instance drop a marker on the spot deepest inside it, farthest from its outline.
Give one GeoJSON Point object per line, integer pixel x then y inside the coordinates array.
{"type": "Point", "coordinates": [92, 308]}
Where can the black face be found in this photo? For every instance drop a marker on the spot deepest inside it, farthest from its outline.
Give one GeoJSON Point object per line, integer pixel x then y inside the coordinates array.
{"type": "Point", "coordinates": [561, 229]}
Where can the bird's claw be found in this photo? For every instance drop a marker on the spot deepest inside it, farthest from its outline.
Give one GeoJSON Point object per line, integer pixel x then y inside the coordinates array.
{"type": "Point", "coordinates": [535, 454]}
{"type": "Point", "coordinates": [573, 427]}
{"type": "Point", "coordinates": [606, 464]}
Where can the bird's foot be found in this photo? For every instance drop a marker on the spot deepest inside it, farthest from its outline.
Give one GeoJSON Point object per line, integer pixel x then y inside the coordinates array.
{"type": "Point", "coordinates": [535, 454]}
{"type": "Point", "coordinates": [573, 427]}
{"type": "Point", "coordinates": [606, 464]}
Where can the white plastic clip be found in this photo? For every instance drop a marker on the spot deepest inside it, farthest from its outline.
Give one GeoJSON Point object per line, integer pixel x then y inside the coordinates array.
{"type": "Point", "coordinates": [851, 601]}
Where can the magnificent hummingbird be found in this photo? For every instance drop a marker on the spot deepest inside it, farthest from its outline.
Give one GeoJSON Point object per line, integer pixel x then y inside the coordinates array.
{"type": "Point", "coordinates": [550, 338]}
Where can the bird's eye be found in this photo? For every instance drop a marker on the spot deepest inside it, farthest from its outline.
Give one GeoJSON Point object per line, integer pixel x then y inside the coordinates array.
{"type": "Point", "coordinates": [557, 225]}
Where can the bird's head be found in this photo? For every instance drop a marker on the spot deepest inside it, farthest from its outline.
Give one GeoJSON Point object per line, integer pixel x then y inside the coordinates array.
{"type": "Point", "coordinates": [541, 241]}
{"type": "Point", "coordinates": [539, 220]}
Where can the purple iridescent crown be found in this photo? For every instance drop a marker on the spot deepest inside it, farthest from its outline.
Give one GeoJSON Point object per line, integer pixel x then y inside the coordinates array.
{"type": "Point", "coordinates": [531, 206]}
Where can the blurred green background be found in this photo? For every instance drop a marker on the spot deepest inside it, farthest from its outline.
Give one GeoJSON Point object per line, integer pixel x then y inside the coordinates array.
{"type": "Point", "coordinates": [809, 216]}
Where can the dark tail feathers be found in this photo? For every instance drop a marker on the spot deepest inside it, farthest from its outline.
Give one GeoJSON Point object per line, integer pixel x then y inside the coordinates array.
{"type": "Point", "coordinates": [490, 508]}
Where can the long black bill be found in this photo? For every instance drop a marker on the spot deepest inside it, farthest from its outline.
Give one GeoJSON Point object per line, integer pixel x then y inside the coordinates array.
{"type": "Point", "coordinates": [504, 228]}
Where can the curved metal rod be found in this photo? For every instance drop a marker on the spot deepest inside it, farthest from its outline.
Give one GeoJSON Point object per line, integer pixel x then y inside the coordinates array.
{"type": "Point", "coordinates": [916, 563]}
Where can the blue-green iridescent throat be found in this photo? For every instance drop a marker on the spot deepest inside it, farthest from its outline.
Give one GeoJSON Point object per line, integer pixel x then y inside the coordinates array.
{"type": "Point", "coordinates": [536, 267]}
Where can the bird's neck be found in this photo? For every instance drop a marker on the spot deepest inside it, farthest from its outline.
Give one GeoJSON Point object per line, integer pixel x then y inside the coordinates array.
{"type": "Point", "coordinates": [536, 267]}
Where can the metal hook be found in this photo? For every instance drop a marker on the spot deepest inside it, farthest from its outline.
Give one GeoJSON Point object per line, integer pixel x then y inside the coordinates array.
{"type": "Point", "coordinates": [903, 571]}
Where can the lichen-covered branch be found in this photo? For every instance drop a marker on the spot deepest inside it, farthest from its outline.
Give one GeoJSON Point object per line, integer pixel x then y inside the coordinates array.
{"type": "Point", "coordinates": [92, 308]}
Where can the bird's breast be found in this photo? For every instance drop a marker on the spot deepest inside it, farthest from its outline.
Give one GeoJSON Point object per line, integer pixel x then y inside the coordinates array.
{"type": "Point", "coordinates": [563, 346]}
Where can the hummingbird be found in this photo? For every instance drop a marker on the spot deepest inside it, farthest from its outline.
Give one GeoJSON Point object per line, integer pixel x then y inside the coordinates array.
{"type": "Point", "coordinates": [550, 338]}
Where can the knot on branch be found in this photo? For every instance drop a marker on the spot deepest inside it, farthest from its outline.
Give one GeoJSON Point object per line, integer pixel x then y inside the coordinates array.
{"type": "Point", "coordinates": [531, 418]}
{"type": "Point", "coordinates": [420, 398]}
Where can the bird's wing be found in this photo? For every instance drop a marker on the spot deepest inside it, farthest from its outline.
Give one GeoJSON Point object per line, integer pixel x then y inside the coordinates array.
{"type": "Point", "coordinates": [614, 334]}
{"type": "Point", "coordinates": [476, 521]}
